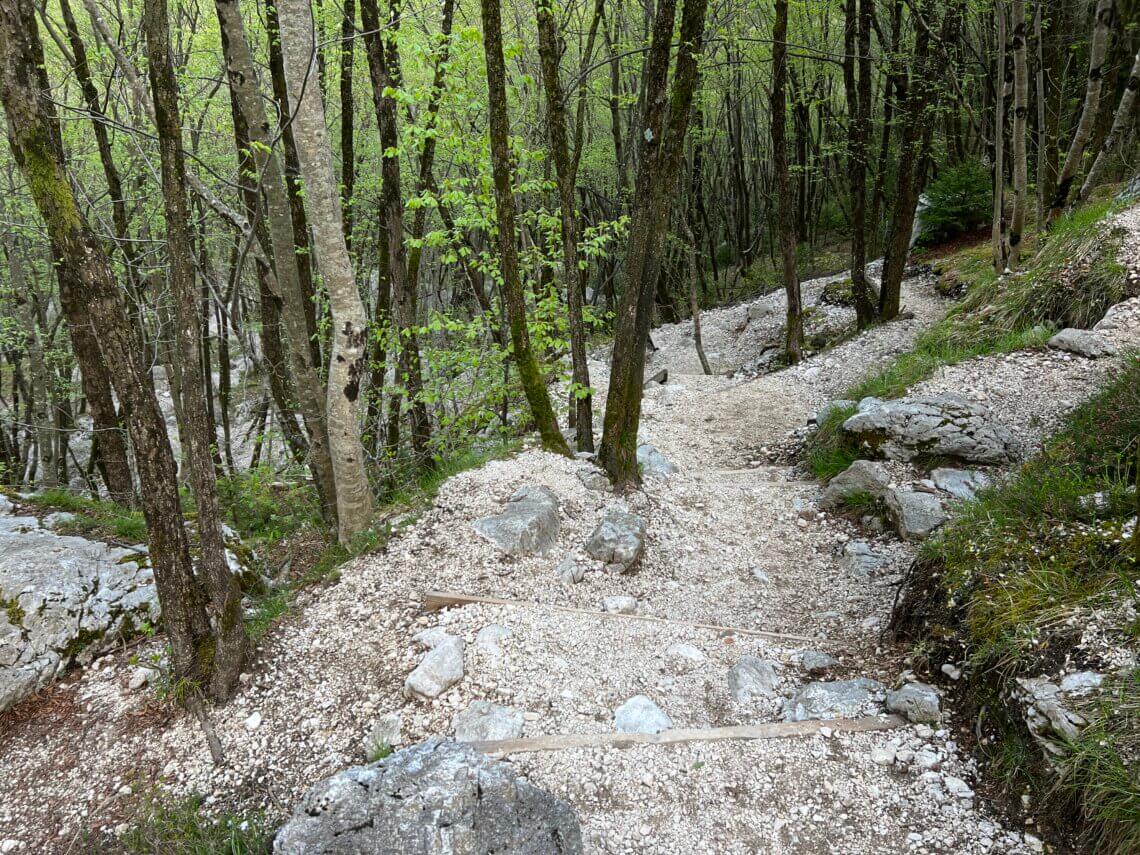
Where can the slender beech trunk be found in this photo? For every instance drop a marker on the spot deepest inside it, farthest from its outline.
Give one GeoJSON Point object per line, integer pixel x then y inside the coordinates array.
{"type": "Point", "coordinates": [224, 593]}
{"type": "Point", "coordinates": [694, 303]}
{"type": "Point", "coordinates": [664, 125]}
{"type": "Point", "coordinates": [349, 333]}
{"type": "Point", "coordinates": [85, 273]}
{"type": "Point", "coordinates": [384, 71]}
{"type": "Point", "coordinates": [1098, 46]}
{"type": "Point", "coordinates": [998, 225]}
{"type": "Point", "coordinates": [295, 303]}
{"type": "Point", "coordinates": [1020, 115]}
{"type": "Point", "coordinates": [347, 111]}
{"type": "Point", "coordinates": [786, 216]}
{"type": "Point", "coordinates": [565, 172]}
{"type": "Point", "coordinates": [530, 372]}
{"type": "Point", "coordinates": [1120, 124]}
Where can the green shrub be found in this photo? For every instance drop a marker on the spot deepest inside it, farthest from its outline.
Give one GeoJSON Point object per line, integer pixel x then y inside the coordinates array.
{"type": "Point", "coordinates": [181, 828]}
{"type": "Point", "coordinates": [959, 200]}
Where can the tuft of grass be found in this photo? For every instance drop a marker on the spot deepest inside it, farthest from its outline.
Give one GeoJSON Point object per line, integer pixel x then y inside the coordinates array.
{"type": "Point", "coordinates": [266, 506]}
{"type": "Point", "coordinates": [830, 451]}
{"type": "Point", "coordinates": [182, 828]}
{"type": "Point", "coordinates": [93, 517]}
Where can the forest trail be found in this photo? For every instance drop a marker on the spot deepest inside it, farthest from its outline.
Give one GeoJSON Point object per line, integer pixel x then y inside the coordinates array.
{"type": "Point", "coordinates": [733, 540]}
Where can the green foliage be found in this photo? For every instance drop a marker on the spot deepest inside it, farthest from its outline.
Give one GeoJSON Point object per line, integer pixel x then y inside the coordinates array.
{"type": "Point", "coordinates": [184, 828]}
{"type": "Point", "coordinates": [266, 506]}
{"type": "Point", "coordinates": [960, 200]}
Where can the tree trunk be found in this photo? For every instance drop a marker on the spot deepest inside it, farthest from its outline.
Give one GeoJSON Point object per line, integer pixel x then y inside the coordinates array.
{"type": "Point", "coordinates": [566, 179]}
{"type": "Point", "coordinates": [295, 302]}
{"type": "Point", "coordinates": [1120, 124]}
{"type": "Point", "coordinates": [384, 71]}
{"type": "Point", "coordinates": [1020, 115]}
{"type": "Point", "coordinates": [1042, 122]}
{"type": "Point", "coordinates": [1098, 45]}
{"type": "Point", "coordinates": [794, 331]}
{"type": "Point", "coordinates": [857, 47]}
{"type": "Point", "coordinates": [662, 146]}
{"type": "Point", "coordinates": [694, 303]}
{"type": "Point", "coordinates": [349, 333]}
{"type": "Point", "coordinates": [347, 143]}
{"type": "Point", "coordinates": [85, 273]}
{"type": "Point", "coordinates": [530, 372]}
{"type": "Point", "coordinates": [224, 594]}
{"type": "Point", "coordinates": [914, 154]}
{"type": "Point", "coordinates": [998, 226]}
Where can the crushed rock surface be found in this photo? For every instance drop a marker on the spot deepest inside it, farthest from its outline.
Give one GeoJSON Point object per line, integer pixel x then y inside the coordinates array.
{"type": "Point", "coordinates": [731, 541]}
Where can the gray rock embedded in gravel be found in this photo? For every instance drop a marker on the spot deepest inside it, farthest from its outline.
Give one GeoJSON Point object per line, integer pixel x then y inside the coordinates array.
{"type": "Point", "coordinates": [487, 639]}
{"type": "Point", "coordinates": [620, 604]}
{"type": "Point", "coordinates": [752, 677]}
{"type": "Point", "coordinates": [860, 560]}
{"type": "Point", "coordinates": [529, 522]}
{"type": "Point", "coordinates": [439, 670]}
{"type": "Point", "coordinates": [915, 514]}
{"type": "Point", "coordinates": [1083, 343]}
{"type": "Point", "coordinates": [618, 540]}
{"type": "Point", "coordinates": [437, 796]}
{"type": "Point", "coordinates": [933, 425]}
{"type": "Point", "coordinates": [570, 571]}
{"type": "Point", "coordinates": [483, 721]}
{"type": "Point", "coordinates": [687, 653]}
{"type": "Point", "coordinates": [960, 483]}
{"type": "Point", "coordinates": [54, 520]}
{"type": "Point", "coordinates": [640, 715]}
{"type": "Point", "coordinates": [6, 506]}
{"type": "Point", "coordinates": [863, 477]}
{"type": "Point", "coordinates": [1052, 723]}
{"type": "Point", "coordinates": [653, 462]}
{"type": "Point", "coordinates": [62, 600]}
{"type": "Point", "coordinates": [836, 699]}
{"type": "Point", "coordinates": [918, 702]}
{"type": "Point", "coordinates": [817, 662]}
{"type": "Point", "coordinates": [594, 479]}
{"type": "Point", "coordinates": [386, 733]}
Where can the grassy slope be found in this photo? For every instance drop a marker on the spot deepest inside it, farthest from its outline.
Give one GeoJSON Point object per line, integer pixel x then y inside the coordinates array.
{"type": "Point", "coordinates": [1009, 585]}
{"type": "Point", "coordinates": [1072, 281]}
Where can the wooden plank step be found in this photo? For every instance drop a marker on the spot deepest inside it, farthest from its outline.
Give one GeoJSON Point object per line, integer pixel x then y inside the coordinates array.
{"type": "Point", "coordinates": [436, 600]}
{"type": "Point", "coordinates": [499, 748]}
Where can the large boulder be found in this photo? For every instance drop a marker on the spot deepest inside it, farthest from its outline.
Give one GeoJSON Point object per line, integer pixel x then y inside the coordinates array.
{"type": "Point", "coordinates": [437, 796]}
{"type": "Point", "coordinates": [836, 699]}
{"type": "Point", "coordinates": [62, 601]}
{"type": "Point", "coordinates": [918, 702]}
{"type": "Point", "coordinates": [618, 540]}
{"type": "Point", "coordinates": [915, 514]}
{"type": "Point", "coordinates": [861, 478]}
{"type": "Point", "coordinates": [1083, 343]}
{"type": "Point", "coordinates": [529, 522]}
{"type": "Point", "coordinates": [932, 426]}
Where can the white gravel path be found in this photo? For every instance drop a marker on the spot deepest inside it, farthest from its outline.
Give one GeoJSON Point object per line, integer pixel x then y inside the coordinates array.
{"type": "Point", "coordinates": [337, 663]}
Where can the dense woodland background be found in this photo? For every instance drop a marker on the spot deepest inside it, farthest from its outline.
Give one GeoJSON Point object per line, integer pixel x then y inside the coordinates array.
{"type": "Point", "coordinates": [336, 247]}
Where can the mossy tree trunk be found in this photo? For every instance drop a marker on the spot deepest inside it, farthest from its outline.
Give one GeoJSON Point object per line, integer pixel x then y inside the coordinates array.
{"type": "Point", "coordinates": [222, 587]}
{"type": "Point", "coordinates": [1020, 115]}
{"type": "Point", "coordinates": [785, 214]}
{"type": "Point", "coordinates": [530, 372]}
{"type": "Point", "coordinates": [664, 125]}
{"type": "Point", "coordinates": [565, 168]}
